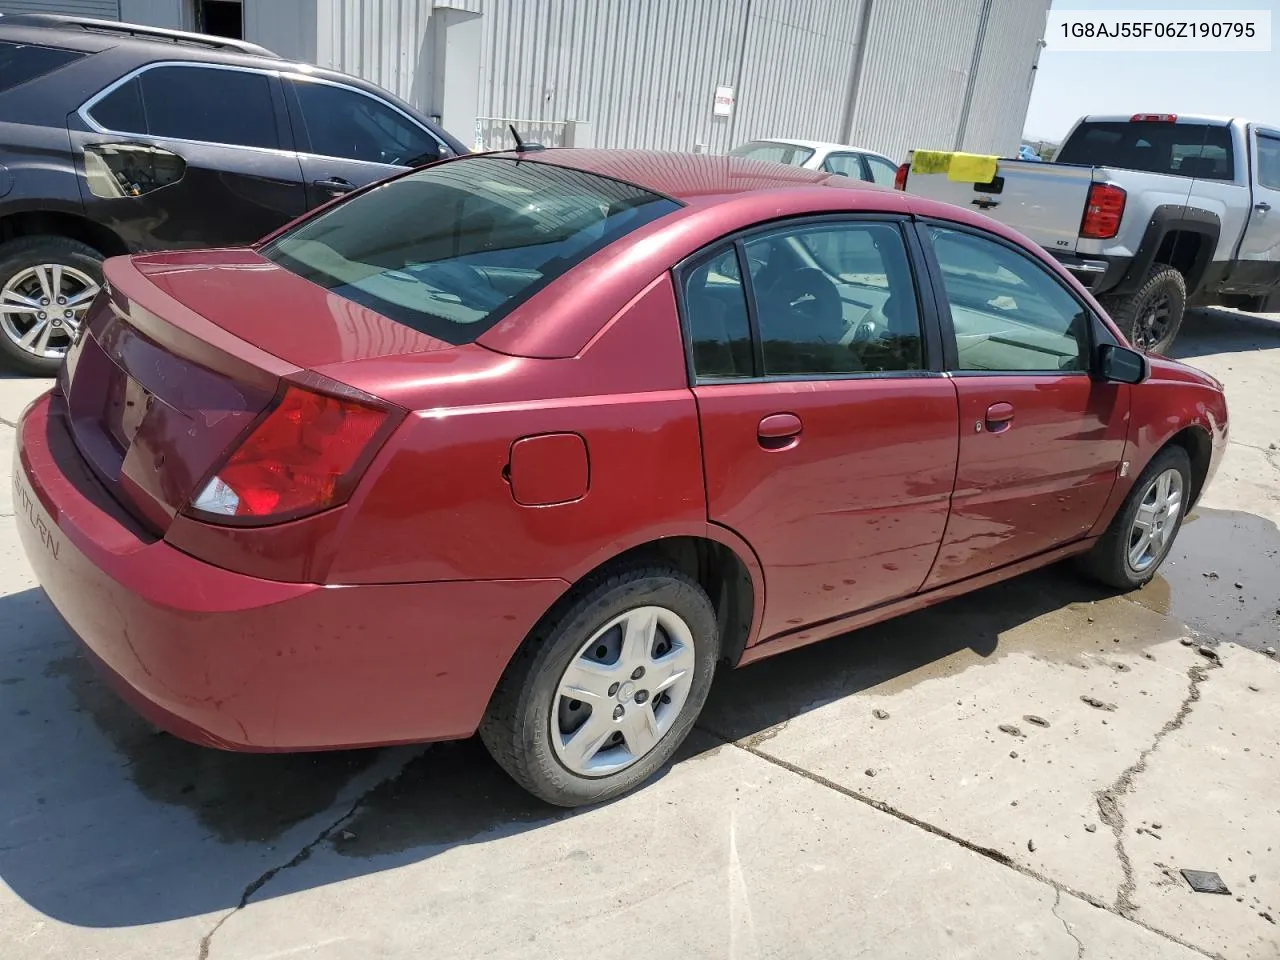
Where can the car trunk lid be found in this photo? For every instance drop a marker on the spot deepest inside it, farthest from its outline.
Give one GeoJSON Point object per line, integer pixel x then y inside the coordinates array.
{"type": "Point", "coordinates": [182, 354]}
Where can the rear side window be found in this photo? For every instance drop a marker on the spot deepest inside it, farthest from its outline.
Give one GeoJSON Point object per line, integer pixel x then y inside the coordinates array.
{"type": "Point", "coordinates": [1197, 150]}
{"type": "Point", "coordinates": [451, 249]}
{"type": "Point", "coordinates": [20, 62]}
{"type": "Point", "coordinates": [845, 164]}
{"type": "Point", "coordinates": [206, 104]}
{"type": "Point", "coordinates": [771, 152]}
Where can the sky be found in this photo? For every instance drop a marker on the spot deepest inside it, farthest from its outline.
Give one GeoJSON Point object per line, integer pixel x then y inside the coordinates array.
{"type": "Point", "coordinates": [1070, 85]}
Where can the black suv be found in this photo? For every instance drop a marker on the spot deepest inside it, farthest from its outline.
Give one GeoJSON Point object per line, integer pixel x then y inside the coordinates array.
{"type": "Point", "coordinates": [116, 138]}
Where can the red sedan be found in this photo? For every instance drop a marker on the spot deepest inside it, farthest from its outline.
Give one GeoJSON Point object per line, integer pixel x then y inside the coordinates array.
{"type": "Point", "coordinates": [529, 444]}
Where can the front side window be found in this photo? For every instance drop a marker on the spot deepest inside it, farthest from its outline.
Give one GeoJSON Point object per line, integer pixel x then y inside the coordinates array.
{"type": "Point", "coordinates": [344, 123]}
{"type": "Point", "coordinates": [20, 62]}
{"type": "Point", "coordinates": [771, 152]}
{"type": "Point", "coordinates": [451, 249]}
{"type": "Point", "coordinates": [844, 164]}
{"type": "Point", "coordinates": [835, 298]}
{"type": "Point", "coordinates": [205, 104]}
{"type": "Point", "coordinates": [1008, 313]}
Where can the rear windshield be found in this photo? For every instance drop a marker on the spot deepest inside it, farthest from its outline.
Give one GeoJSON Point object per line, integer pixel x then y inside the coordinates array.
{"type": "Point", "coordinates": [787, 153]}
{"type": "Point", "coordinates": [451, 249]}
{"type": "Point", "coordinates": [1198, 150]}
{"type": "Point", "coordinates": [20, 62]}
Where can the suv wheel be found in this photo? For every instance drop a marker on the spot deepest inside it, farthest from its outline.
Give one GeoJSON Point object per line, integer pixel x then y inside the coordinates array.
{"type": "Point", "coordinates": [46, 287]}
{"type": "Point", "coordinates": [606, 688]}
{"type": "Point", "coordinates": [1150, 316]}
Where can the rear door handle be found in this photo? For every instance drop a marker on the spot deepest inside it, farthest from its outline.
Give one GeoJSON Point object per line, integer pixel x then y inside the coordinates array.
{"type": "Point", "coordinates": [779, 431]}
{"type": "Point", "coordinates": [999, 417]}
{"type": "Point", "coordinates": [334, 185]}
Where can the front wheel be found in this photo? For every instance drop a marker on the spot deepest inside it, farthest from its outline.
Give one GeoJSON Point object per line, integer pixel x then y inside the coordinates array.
{"type": "Point", "coordinates": [601, 695]}
{"type": "Point", "coordinates": [1142, 533]}
{"type": "Point", "coordinates": [46, 287]}
{"type": "Point", "coordinates": [1151, 315]}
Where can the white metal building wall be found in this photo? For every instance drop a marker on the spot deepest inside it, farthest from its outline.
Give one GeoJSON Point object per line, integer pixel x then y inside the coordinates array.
{"type": "Point", "coordinates": [104, 9]}
{"type": "Point", "coordinates": [1002, 87]}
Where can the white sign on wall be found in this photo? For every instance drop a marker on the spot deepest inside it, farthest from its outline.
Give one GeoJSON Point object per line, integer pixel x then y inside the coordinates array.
{"type": "Point", "coordinates": [723, 106]}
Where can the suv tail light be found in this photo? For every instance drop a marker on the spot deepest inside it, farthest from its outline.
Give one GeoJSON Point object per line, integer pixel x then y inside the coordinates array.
{"type": "Point", "coordinates": [1102, 212]}
{"type": "Point", "coordinates": [900, 176]}
{"type": "Point", "coordinates": [302, 456]}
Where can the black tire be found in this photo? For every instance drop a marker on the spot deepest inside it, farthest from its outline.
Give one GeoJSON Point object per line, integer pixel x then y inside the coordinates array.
{"type": "Point", "coordinates": [1108, 561]}
{"type": "Point", "coordinates": [516, 727]}
{"type": "Point", "coordinates": [22, 254]}
{"type": "Point", "coordinates": [1163, 291]}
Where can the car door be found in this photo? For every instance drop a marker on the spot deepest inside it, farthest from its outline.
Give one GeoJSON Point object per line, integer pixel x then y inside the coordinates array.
{"type": "Point", "coordinates": [828, 430]}
{"type": "Point", "coordinates": [188, 155]}
{"type": "Point", "coordinates": [1259, 260]}
{"type": "Point", "coordinates": [348, 138]}
{"type": "Point", "coordinates": [1041, 441]}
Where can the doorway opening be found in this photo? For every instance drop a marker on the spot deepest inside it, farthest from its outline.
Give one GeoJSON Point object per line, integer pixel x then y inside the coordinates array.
{"type": "Point", "coordinates": [221, 18]}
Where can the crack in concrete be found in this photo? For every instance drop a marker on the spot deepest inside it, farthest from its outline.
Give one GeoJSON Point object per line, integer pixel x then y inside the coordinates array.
{"type": "Point", "coordinates": [1108, 799]}
{"type": "Point", "coordinates": [1000, 858]}
{"type": "Point", "coordinates": [1057, 901]}
{"type": "Point", "coordinates": [206, 942]}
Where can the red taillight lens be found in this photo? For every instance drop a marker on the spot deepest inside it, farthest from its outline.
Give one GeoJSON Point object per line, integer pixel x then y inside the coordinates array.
{"type": "Point", "coordinates": [1154, 118]}
{"type": "Point", "coordinates": [1102, 212]}
{"type": "Point", "coordinates": [299, 459]}
{"type": "Point", "coordinates": [900, 176]}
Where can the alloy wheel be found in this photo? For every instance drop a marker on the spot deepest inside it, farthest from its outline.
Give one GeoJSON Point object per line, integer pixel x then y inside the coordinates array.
{"type": "Point", "coordinates": [1155, 521]}
{"type": "Point", "coordinates": [1153, 322]}
{"type": "Point", "coordinates": [42, 307]}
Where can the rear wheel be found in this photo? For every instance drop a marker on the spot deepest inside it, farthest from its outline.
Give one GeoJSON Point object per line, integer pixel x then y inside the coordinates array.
{"type": "Point", "coordinates": [1150, 317]}
{"type": "Point", "coordinates": [46, 286]}
{"type": "Point", "coordinates": [602, 694]}
{"type": "Point", "coordinates": [1139, 538]}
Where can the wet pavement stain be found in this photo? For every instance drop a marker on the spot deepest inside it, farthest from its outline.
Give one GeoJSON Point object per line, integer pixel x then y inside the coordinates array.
{"type": "Point", "coordinates": [1215, 550]}
{"type": "Point", "coordinates": [238, 797]}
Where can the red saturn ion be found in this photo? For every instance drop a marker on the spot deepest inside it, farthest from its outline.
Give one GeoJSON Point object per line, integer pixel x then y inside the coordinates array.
{"type": "Point", "coordinates": [527, 444]}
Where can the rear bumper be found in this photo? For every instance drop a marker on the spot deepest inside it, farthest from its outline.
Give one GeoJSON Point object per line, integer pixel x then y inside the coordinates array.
{"type": "Point", "coordinates": [243, 663]}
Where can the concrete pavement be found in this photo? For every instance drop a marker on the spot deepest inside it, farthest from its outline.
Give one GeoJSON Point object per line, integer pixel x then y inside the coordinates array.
{"type": "Point", "coordinates": [986, 810]}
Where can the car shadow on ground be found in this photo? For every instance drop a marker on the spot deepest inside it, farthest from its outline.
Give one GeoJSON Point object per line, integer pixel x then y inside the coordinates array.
{"type": "Point", "coordinates": [105, 822]}
{"type": "Point", "coordinates": [1212, 330]}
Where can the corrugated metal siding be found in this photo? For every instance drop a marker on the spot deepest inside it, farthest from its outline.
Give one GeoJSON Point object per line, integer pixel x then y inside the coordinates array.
{"type": "Point", "coordinates": [795, 75]}
{"type": "Point", "coordinates": [1002, 88]}
{"type": "Point", "coordinates": [287, 27]}
{"type": "Point", "coordinates": [915, 74]}
{"type": "Point", "coordinates": [103, 9]}
{"type": "Point", "coordinates": [384, 41]}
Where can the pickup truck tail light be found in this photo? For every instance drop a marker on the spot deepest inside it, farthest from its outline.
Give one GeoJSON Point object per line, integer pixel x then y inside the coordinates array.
{"type": "Point", "coordinates": [1102, 212]}
{"type": "Point", "coordinates": [1154, 118]}
{"type": "Point", "coordinates": [303, 456]}
{"type": "Point", "coordinates": [900, 177]}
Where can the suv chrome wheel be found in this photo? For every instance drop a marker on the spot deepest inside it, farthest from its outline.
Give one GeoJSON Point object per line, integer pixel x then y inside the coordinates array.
{"type": "Point", "coordinates": [42, 307]}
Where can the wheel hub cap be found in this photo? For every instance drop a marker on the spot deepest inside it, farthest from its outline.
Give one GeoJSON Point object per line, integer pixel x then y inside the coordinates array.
{"type": "Point", "coordinates": [1154, 523]}
{"type": "Point", "coordinates": [622, 691]}
{"type": "Point", "coordinates": [25, 317]}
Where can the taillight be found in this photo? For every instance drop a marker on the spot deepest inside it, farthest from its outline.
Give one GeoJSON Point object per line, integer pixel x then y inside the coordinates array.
{"type": "Point", "coordinates": [1154, 118]}
{"type": "Point", "coordinates": [302, 457]}
{"type": "Point", "coordinates": [900, 177]}
{"type": "Point", "coordinates": [1102, 212]}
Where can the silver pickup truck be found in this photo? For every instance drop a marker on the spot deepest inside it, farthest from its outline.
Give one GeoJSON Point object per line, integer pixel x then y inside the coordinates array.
{"type": "Point", "coordinates": [1154, 212]}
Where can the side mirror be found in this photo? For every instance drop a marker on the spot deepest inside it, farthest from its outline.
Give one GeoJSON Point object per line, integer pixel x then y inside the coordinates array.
{"type": "Point", "coordinates": [1121, 365]}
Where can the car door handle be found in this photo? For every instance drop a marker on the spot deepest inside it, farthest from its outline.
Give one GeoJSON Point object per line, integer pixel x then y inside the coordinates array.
{"type": "Point", "coordinates": [999, 417]}
{"type": "Point", "coordinates": [1262, 206]}
{"type": "Point", "coordinates": [779, 431]}
{"type": "Point", "coordinates": [334, 185]}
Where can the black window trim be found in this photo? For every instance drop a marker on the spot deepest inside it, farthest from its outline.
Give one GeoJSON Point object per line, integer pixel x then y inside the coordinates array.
{"type": "Point", "coordinates": [283, 131]}
{"type": "Point", "coordinates": [943, 304]}
{"type": "Point", "coordinates": [303, 136]}
{"type": "Point", "coordinates": [932, 340]}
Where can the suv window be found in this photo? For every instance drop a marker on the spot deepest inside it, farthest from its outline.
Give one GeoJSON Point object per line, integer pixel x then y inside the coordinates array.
{"type": "Point", "coordinates": [1007, 312]}
{"type": "Point", "coordinates": [451, 249]}
{"type": "Point", "coordinates": [207, 104]}
{"type": "Point", "coordinates": [20, 62]}
{"type": "Point", "coordinates": [835, 298]}
{"type": "Point", "coordinates": [340, 122]}
{"type": "Point", "coordinates": [1198, 150]}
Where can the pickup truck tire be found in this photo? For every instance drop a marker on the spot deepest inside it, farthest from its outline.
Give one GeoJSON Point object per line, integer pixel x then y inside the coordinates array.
{"type": "Point", "coordinates": [1151, 316]}
{"type": "Point", "coordinates": [35, 329]}
{"type": "Point", "coordinates": [1140, 536]}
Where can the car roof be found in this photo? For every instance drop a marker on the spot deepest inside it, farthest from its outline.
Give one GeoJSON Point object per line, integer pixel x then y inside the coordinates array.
{"type": "Point", "coordinates": [690, 176]}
